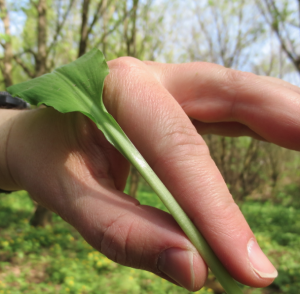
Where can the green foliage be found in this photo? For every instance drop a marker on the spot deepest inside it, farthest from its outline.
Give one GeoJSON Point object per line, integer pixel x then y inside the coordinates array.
{"type": "Point", "coordinates": [57, 260]}
{"type": "Point", "coordinates": [277, 229]}
{"type": "Point", "coordinates": [289, 195]}
{"type": "Point", "coordinates": [74, 87]}
{"type": "Point", "coordinates": [4, 38]}
{"type": "Point", "coordinates": [77, 86]}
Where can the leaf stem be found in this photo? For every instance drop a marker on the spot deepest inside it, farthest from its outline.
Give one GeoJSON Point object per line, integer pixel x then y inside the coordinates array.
{"type": "Point", "coordinates": [117, 137]}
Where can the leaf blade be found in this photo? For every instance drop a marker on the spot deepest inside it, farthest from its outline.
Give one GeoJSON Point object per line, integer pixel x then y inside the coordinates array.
{"type": "Point", "coordinates": [77, 86]}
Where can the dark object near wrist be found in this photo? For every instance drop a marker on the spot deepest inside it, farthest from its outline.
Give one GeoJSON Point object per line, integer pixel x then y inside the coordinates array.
{"type": "Point", "coordinates": [9, 102]}
{"type": "Point", "coordinates": [4, 191]}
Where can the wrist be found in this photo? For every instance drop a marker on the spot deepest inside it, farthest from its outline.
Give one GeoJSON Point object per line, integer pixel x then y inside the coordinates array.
{"type": "Point", "coordinates": [36, 151]}
{"type": "Point", "coordinates": [7, 121]}
{"type": "Point", "coordinates": [27, 147]}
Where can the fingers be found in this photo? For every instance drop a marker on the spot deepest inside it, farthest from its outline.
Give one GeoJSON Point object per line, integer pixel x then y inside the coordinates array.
{"type": "Point", "coordinates": [138, 236]}
{"type": "Point", "coordinates": [211, 93]}
{"type": "Point", "coordinates": [279, 82]}
{"type": "Point", "coordinates": [165, 136]}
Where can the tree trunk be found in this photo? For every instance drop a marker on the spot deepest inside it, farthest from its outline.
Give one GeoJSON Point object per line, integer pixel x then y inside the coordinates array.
{"type": "Point", "coordinates": [134, 182]}
{"type": "Point", "coordinates": [84, 27]}
{"type": "Point", "coordinates": [41, 217]}
{"type": "Point", "coordinates": [7, 46]}
{"type": "Point", "coordinates": [41, 60]}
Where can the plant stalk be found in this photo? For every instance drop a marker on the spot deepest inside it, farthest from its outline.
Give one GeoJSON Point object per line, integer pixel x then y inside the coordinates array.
{"type": "Point", "coordinates": [117, 137]}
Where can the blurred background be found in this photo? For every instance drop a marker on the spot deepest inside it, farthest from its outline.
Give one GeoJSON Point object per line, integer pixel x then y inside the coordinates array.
{"type": "Point", "coordinates": [38, 251]}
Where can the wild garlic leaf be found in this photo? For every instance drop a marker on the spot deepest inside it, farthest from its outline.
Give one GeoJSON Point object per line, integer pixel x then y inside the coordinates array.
{"type": "Point", "coordinates": [77, 86]}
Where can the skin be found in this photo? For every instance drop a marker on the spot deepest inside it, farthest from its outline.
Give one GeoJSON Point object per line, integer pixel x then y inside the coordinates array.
{"type": "Point", "coordinates": [66, 164]}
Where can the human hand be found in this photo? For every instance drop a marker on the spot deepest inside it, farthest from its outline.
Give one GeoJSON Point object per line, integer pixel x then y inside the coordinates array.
{"type": "Point", "coordinates": [74, 171]}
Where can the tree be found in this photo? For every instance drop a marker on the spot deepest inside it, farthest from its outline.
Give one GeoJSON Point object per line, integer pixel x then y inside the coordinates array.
{"type": "Point", "coordinates": [223, 32]}
{"type": "Point", "coordinates": [102, 10]}
{"type": "Point", "coordinates": [100, 29]}
{"type": "Point", "coordinates": [283, 17]}
{"type": "Point", "coordinates": [6, 67]}
{"type": "Point", "coordinates": [36, 45]}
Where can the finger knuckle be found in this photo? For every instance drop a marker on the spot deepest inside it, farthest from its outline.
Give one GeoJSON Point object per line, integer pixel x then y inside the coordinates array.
{"type": "Point", "coordinates": [231, 222]}
{"type": "Point", "coordinates": [181, 141]}
{"type": "Point", "coordinates": [115, 240]}
{"type": "Point", "coordinates": [233, 83]}
{"type": "Point", "coordinates": [126, 64]}
{"type": "Point", "coordinates": [236, 77]}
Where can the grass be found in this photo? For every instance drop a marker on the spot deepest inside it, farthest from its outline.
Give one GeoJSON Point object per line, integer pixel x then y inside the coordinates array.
{"type": "Point", "coordinates": [56, 259]}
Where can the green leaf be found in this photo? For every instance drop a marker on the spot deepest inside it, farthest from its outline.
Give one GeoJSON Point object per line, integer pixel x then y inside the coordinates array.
{"type": "Point", "coordinates": [73, 87]}
{"type": "Point", "coordinates": [78, 86]}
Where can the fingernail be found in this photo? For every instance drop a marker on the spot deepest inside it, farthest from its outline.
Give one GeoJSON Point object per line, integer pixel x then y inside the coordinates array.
{"type": "Point", "coordinates": [259, 261]}
{"type": "Point", "coordinates": [177, 264]}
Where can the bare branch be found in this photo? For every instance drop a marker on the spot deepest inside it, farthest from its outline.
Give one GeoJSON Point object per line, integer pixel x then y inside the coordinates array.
{"type": "Point", "coordinates": [99, 11]}
{"type": "Point", "coordinates": [24, 66]}
{"type": "Point", "coordinates": [235, 56]}
{"type": "Point", "coordinates": [29, 50]}
{"type": "Point", "coordinates": [59, 26]}
{"type": "Point", "coordinates": [283, 27]}
{"type": "Point", "coordinates": [275, 27]}
{"type": "Point", "coordinates": [33, 3]}
{"type": "Point", "coordinates": [26, 51]}
{"type": "Point", "coordinates": [117, 24]}
{"type": "Point", "coordinates": [207, 36]}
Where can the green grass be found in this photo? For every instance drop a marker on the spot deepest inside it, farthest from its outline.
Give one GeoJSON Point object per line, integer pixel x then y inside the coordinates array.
{"type": "Point", "coordinates": [277, 229]}
{"type": "Point", "coordinates": [56, 259]}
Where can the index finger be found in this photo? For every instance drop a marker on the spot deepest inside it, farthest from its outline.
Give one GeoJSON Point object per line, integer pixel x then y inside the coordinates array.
{"type": "Point", "coordinates": [211, 93]}
{"type": "Point", "coordinates": [165, 136]}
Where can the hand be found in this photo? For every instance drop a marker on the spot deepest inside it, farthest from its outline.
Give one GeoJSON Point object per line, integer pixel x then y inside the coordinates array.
{"type": "Point", "coordinates": [72, 170]}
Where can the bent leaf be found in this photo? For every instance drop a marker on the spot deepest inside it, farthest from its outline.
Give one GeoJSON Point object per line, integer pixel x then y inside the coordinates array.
{"type": "Point", "coordinates": [78, 86]}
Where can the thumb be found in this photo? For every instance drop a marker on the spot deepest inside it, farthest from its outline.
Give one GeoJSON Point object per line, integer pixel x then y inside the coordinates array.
{"type": "Point", "coordinates": [137, 236]}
